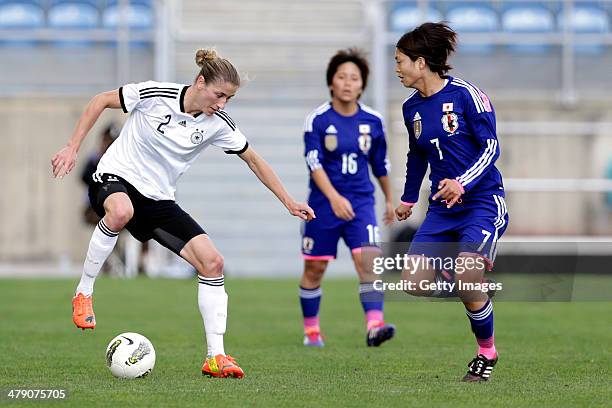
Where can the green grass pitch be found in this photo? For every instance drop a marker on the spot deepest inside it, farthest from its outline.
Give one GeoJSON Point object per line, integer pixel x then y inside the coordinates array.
{"type": "Point", "coordinates": [552, 354]}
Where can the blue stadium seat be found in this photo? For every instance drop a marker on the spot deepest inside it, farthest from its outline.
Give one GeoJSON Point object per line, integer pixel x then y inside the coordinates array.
{"type": "Point", "coordinates": [587, 19]}
{"type": "Point", "coordinates": [140, 16]}
{"type": "Point", "coordinates": [477, 18]}
{"type": "Point", "coordinates": [73, 15]}
{"type": "Point", "coordinates": [21, 14]}
{"type": "Point", "coordinates": [405, 18]}
{"type": "Point", "coordinates": [528, 18]}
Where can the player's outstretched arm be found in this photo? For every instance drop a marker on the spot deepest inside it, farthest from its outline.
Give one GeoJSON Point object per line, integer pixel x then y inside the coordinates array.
{"type": "Point", "coordinates": [64, 160]}
{"type": "Point", "coordinates": [268, 177]}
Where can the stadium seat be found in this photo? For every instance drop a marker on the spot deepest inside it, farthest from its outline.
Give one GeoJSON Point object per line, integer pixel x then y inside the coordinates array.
{"type": "Point", "coordinates": [476, 18]}
{"type": "Point", "coordinates": [586, 19]}
{"type": "Point", "coordinates": [21, 15]}
{"type": "Point", "coordinates": [140, 17]}
{"type": "Point", "coordinates": [73, 15]}
{"type": "Point", "coordinates": [529, 19]}
{"type": "Point", "coordinates": [405, 18]}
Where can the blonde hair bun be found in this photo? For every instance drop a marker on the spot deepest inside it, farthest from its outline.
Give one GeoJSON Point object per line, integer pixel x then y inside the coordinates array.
{"type": "Point", "coordinates": [204, 55]}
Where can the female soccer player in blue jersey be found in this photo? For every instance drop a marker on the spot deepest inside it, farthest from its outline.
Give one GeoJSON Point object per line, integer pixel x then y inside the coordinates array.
{"type": "Point", "coordinates": [342, 138]}
{"type": "Point", "coordinates": [451, 127]}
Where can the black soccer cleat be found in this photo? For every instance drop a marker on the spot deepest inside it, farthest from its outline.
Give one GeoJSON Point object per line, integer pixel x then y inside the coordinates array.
{"type": "Point", "coordinates": [378, 335]}
{"type": "Point", "coordinates": [479, 369]}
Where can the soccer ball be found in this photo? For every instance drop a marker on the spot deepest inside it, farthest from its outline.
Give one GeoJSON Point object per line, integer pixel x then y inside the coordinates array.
{"type": "Point", "coordinates": [130, 355]}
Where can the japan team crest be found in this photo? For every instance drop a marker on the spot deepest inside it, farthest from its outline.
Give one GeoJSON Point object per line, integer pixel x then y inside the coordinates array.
{"type": "Point", "coordinates": [450, 122]}
{"type": "Point", "coordinates": [307, 244]}
{"type": "Point", "coordinates": [416, 125]}
{"type": "Point", "coordinates": [365, 140]}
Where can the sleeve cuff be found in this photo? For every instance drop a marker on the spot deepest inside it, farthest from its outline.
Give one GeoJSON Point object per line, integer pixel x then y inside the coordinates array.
{"type": "Point", "coordinates": [246, 146]}
{"type": "Point", "coordinates": [407, 204]}
{"type": "Point", "coordinates": [121, 100]}
{"type": "Point", "coordinates": [460, 186]}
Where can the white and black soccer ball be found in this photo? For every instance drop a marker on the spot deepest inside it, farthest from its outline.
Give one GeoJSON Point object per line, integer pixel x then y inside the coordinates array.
{"type": "Point", "coordinates": [130, 355]}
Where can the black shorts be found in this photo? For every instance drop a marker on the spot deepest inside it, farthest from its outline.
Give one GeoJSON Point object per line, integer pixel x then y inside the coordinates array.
{"type": "Point", "coordinates": [163, 220]}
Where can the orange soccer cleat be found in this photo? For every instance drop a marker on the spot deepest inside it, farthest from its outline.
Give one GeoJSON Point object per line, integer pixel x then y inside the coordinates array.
{"type": "Point", "coordinates": [222, 366]}
{"type": "Point", "coordinates": [82, 312]}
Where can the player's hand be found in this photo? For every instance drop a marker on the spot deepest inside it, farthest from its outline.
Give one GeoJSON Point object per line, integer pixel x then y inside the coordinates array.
{"type": "Point", "coordinates": [301, 210]}
{"type": "Point", "coordinates": [449, 190]}
{"type": "Point", "coordinates": [342, 208]}
{"type": "Point", "coordinates": [388, 217]}
{"type": "Point", "coordinates": [63, 162]}
{"type": "Point", "coordinates": [403, 211]}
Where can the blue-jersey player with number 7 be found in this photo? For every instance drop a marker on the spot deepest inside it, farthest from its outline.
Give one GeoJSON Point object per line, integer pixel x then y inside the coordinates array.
{"type": "Point", "coordinates": [451, 128]}
{"type": "Point", "coordinates": [343, 139]}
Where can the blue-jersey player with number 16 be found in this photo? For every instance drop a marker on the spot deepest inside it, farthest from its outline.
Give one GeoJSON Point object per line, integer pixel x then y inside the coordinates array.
{"type": "Point", "coordinates": [343, 138]}
{"type": "Point", "coordinates": [451, 128]}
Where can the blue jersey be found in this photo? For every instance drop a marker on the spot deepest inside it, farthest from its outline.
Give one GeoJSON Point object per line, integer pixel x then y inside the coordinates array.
{"type": "Point", "coordinates": [454, 132]}
{"type": "Point", "coordinates": [344, 146]}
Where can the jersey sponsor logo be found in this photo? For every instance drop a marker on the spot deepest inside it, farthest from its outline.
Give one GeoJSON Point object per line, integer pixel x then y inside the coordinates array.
{"type": "Point", "coordinates": [447, 107]}
{"type": "Point", "coordinates": [416, 125]}
{"type": "Point", "coordinates": [183, 123]}
{"type": "Point", "coordinates": [197, 137]}
{"type": "Point", "coordinates": [331, 142]}
{"type": "Point", "coordinates": [307, 244]}
{"type": "Point", "coordinates": [450, 122]}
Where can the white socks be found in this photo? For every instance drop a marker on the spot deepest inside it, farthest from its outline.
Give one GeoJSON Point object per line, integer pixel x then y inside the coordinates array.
{"type": "Point", "coordinates": [101, 245]}
{"type": "Point", "coordinates": [212, 301]}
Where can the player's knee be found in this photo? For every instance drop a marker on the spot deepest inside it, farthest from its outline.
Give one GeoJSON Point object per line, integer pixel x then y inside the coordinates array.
{"type": "Point", "coordinates": [415, 282]}
{"type": "Point", "coordinates": [211, 267]}
{"type": "Point", "coordinates": [314, 271]}
{"type": "Point", "coordinates": [119, 215]}
{"type": "Point", "coordinates": [216, 265]}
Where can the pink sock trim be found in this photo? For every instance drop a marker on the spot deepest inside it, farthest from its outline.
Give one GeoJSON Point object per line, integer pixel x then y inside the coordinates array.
{"type": "Point", "coordinates": [486, 347]}
{"type": "Point", "coordinates": [318, 257]}
{"type": "Point", "coordinates": [311, 322]}
{"type": "Point", "coordinates": [366, 249]}
{"type": "Point", "coordinates": [373, 317]}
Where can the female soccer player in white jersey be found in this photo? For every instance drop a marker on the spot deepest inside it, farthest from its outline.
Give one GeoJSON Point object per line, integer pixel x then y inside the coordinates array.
{"type": "Point", "coordinates": [451, 128]}
{"type": "Point", "coordinates": [343, 138]}
{"type": "Point", "coordinates": [168, 127]}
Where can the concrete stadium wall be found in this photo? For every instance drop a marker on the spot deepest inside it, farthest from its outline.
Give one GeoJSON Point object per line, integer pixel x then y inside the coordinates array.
{"type": "Point", "coordinates": [41, 216]}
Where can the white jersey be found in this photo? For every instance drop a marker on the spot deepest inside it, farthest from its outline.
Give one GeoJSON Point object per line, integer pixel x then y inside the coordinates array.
{"type": "Point", "coordinates": [159, 140]}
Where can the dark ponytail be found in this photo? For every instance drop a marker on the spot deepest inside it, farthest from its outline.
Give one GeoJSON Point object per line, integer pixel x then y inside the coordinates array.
{"type": "Point", "coordinates": [435, 42]}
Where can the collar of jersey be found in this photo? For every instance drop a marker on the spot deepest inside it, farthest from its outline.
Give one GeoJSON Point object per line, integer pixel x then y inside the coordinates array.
{"type": "Point", "coordinates": [182, 102]}
{"type": "Point", "coordinates": [331, 107]}
{"type": "Point", "coordinates": [419, 98]}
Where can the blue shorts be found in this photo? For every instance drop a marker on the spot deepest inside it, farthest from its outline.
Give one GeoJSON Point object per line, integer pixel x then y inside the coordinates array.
{"type": "Point", "coordinates": [476, 229]}
{"type": "Point", "coordinates": [320, 236]}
